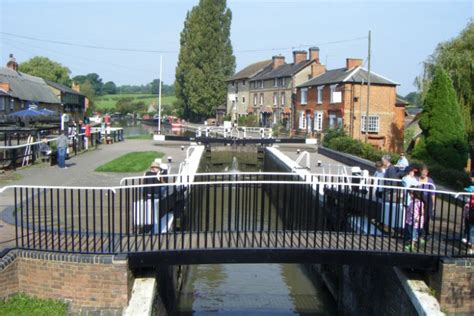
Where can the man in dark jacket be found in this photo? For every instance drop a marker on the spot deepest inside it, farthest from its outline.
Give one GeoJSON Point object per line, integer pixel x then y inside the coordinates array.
{"type": "Point", "coordinates": [62, 144]}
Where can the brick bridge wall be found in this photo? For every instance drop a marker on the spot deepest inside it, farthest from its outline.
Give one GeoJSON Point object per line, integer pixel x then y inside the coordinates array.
{"type": "Point", "coordinates": [453, 285]}
{"type": "Point", "coordinates": [86, 282]}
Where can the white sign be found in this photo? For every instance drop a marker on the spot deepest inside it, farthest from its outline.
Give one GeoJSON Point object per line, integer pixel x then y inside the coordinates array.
{"type": "Point", "coordinates": [337, 97]}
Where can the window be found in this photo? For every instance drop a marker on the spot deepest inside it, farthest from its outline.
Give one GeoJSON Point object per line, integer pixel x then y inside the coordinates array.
{"type": "Point", "coordinates": [318, 121]}
{"type": "Point", "coordinates": [12, 104]}
{"type": "Point", "coordinates": [232, 83]}
{"type": "Point", "coordinates": [237, 99]}
{"type": "Point", "coordinates": [261, 98]}
{"type": "Point", "coordinates": [261, 83]}
{"type": "Point", "coordinates": [281, 81]}
{"type": "Point", "coordinates": [320, 94]}
{"type": "Point", "coordinates": [243, 99]}
{"type": "Point", "coordinates": [333, 90]}
{"type": "Point", "coordinates": [302, 121]}
{"type": "Point", "coordinates": [304, 95]}
{"type": "Point", "coordinates": [374, 124]}
{"type": "Point", "coordinates": [2, 103]}
{"type": "Point", "coordinates": [243, 82]}
{"type": "Point", "coordinates": [275, 82]}
{"type": "Point", "coordinates": [332, 121]}
{"type": "Point", "coordinates": [255, 99]}
{"type": "Point", "coordinates": [283, 98]}
{"type": "Point", "coordinates": [275, 98]}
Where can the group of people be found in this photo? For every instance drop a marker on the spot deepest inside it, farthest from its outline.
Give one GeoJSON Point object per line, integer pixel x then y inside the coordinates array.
{"type": "Point", "coordinates": [418, 204]}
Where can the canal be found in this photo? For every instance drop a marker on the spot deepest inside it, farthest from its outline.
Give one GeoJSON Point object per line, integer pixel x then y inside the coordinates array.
{"type": "Point", "coordinates": [250, 289]}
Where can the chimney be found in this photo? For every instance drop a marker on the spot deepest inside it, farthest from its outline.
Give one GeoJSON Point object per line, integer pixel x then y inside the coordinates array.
{"type": "Point", "coordinates": [352, 63]}
{"type": "Point", "coordinates": [299, 56]}
{"type": "Point", "coordinates": [317, 69]}
{"type": "Point", "coordinates": [12, 64]}
{"type": "Point", "coordinates": [314, 54]}
{"type": "Point", "coordinates": [4, 86]}
{"type": "Point", "coordinates": [278, 61]}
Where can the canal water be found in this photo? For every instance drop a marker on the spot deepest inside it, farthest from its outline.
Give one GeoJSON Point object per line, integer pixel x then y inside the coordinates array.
{"type": "Point", "coordinates": [133, 128]}
{"type": "Point", "coordinates": [250, 289]}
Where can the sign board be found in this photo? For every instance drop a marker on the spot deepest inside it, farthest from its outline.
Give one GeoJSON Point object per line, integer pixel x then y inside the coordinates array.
{"type": "Point", "coordinates": [337, 97]}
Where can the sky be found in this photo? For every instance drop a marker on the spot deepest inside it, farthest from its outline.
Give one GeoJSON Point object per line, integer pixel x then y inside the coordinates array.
{"type": "Point", "coordinates": [135, 33]}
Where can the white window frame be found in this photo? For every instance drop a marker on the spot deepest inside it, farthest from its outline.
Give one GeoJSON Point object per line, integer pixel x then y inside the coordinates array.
{"type": "Point", "coordinates": [261, 84]}
{"type": "Point", "coordinates": [275, 98]}
{"type": "Point", "coordinates": [374, 124]}
{"type": "Point", "coordinates": [302, 120]}
{"type": "Point", "coordinates": [275, 82]}
{"type": "Point", "coordinates": [261, 98]}
{"type": "Point", "coordinates": [320, 94]}
{"type": "Point", "coordinates": [304, 95]}
{"type": "Point", "coordinates": [333, 89]}
{"type": "Point", "coordinates": [283, 81]}
{"type": "Point", "coordinates": [243, 99]}
{"type": "Point", "coordinates": [318, 120]}
{"type": "Point", "coordinates": [282, 98]}
{"type": "Point", "coordinates": [255, 99]}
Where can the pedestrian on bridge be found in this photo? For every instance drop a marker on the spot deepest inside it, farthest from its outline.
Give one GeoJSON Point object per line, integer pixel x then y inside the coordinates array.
{"type": "Point", "coordinates": [425, 182]}
{"type": "Point", "coordinates": [414, 220]}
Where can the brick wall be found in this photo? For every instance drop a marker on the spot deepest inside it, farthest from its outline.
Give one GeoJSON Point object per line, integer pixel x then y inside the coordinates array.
{"type": "Point", "coordinates": [453, 285]}
{"type": "Point", "coordinates": [86, 282]}
{"type": "Point", "coordinates": [8, 275]}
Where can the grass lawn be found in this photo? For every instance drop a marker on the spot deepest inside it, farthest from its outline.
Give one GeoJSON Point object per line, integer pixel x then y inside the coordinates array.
{"type": "Point", "coordinates": [131, 162]}
{"type": "Point", "coordinates": [21, 304]}
{"type": "Point", "coordinates": [110, 100]}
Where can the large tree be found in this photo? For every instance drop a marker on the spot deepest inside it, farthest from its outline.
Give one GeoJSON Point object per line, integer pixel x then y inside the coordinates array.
{"type": "Point", "coordinates": [457, 58]}
{"type": "Point", "coordinates": [442, 123]}
{"type": "Point", "coordinates": [205, 59]}
{"type": "Point", "coordinates": [109, 88]}
{"type": "Point", "coordinates": [94, 79]}
{"type": "Point", "coordinates": [47, 69]}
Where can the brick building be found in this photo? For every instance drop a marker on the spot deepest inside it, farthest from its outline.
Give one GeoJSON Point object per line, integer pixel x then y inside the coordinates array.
{"type": "Point", "coordinates": [18, 91]}
{"type": "Point", "coordinates": [338, 98]}
{"type": "Point", "coordinates": [238, 92]}
{"type": "Point", "coordinates": [272, 90]}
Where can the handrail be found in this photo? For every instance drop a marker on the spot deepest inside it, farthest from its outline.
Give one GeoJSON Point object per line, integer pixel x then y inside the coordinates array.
{"type": "Point", "coordinates": [235, 181]}
{"type": "Point", "coordinates": [48, 140]}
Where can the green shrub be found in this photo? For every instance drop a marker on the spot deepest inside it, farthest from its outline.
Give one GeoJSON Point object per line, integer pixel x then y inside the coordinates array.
{"type": "Point", "coordinates": [332, 133]}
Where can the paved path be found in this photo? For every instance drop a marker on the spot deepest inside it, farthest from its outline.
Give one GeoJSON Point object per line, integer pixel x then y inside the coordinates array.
{"type": "Point", "coordinates": [80, 172]}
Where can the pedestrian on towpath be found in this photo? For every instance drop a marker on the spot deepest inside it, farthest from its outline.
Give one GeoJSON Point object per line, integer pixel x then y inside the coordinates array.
{"type": "Point", "coordinates": [62, 144]}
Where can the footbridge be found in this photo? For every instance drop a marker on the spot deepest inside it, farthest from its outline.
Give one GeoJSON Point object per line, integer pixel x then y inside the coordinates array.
{"type": "Point", "coordinates": [240, 217]}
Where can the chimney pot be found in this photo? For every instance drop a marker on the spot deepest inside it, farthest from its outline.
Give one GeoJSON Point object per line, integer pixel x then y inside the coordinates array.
{"type": "Point", "coordinates": [299, 56]}
{"type": "Point", "coordinates": [314, 54]}
{"type": "Point", "coordinates": [353, 62]}
{"type": "Point", "coordinates": [278, 61]}
{"type": "Point", "coordinates": [12, 64]}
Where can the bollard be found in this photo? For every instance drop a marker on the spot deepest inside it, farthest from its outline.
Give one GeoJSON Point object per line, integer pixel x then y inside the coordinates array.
{"type": "Point", "coordinates": [262, 133]}
{"type": "Point", "coordinates": [207, 131]}
{"type": "Point", "coordinates": [170, 159]}
{"type": "Point", "coordinates": [319, 163]}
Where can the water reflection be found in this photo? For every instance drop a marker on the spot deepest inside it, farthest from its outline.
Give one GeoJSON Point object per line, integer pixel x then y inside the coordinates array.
{"type": "Point", "coordinates": [250, 289]}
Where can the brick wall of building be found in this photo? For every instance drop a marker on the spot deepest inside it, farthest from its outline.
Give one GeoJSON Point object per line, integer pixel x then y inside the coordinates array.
{"type": "Point", "coordinates": [453, 285]}
{"type": "Point", "coordinates": [8, 276]}
{"type": "Point", "coordinates": [85, 282]}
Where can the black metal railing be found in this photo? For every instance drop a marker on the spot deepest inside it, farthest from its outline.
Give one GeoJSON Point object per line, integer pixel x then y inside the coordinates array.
{"type": "Point", "coordinates": [240, 211]}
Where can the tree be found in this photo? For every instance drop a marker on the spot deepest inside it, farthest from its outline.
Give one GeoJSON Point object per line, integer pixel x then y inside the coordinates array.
{"type": "Point", "coordinates": [414, 98]}
{"type": "Point", "coordinates": [457, 58]}
{"type": "Point", "coordinates": [205, 59]}
{"type": "Point", "coordinates": [109, 88]}
{"type": "Point", "coordinates": [47, 69]}
{"type": "Point", "coordinates": [87, 90]}
{"type": "Point", "coordinates": [94, 79]}
{"type": "Point", "coordinates": [441, 121]}
{"type": "Point", "coordinates": [126, 105]}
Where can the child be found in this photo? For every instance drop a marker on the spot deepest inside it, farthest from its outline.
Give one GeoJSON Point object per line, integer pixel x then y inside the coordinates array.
{"type": "Point", "coordinates": [380, 175]}
{"type": "Point", "coordinates": [414, 219]}
{"type": "Point", "coordinates": [469, 224]}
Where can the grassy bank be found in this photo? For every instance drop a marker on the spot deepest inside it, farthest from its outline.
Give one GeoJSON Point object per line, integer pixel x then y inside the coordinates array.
{"type": "Point", "coordinates": [109, 101]}
{"type": "Point", "coordinates": [131, 162]}
{"type": "Point", "coordinates": [24, 305]}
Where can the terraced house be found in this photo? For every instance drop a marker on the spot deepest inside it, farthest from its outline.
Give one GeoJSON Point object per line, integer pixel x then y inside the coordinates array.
{"type": "Point", "coordinates": [273, 88]}
{"type": "Point", "coordinates": [238, 92]}
{"type": "Point", "coordinates": [338, 98]}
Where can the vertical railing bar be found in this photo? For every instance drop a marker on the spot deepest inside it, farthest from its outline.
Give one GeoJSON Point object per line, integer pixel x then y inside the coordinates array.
{"type": "Point", "coordinates": [27, 219]}
{"type": "Point", "coordinates": [86, 192]}
{"type": "Point", "coordinates": [80, 218]}
{"type": "Point", "coordinates": [72, 219]}
{"type": "Point", "coordinates": [94, 220]}
{"type": "Point", "coordinates": [15, 210]}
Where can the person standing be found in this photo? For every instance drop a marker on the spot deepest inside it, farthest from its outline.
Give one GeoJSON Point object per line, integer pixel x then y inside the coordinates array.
{"type": "Point", "coordinates": [62, 144]}
{"type": "Point", "coordinates": [426, 183]}
{"type": "Point", "coordinates": [414, 220]}
{"type": "Point", "coordinates": [379, 174]}
{"type": "Point", "coordinates": [408, 181]}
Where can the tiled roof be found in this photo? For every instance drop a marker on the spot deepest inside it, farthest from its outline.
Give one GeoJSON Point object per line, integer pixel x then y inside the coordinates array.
{"type": "Point", "coordinates": [61, 87]}
{"type": "Point", "coordinates": [356, 75]}
{"type": "Point", "coordinates": [27, 87]}
{"type": "Point", "coordinates": [250, 70]}
{"type": "Point", "coordinates": [285, 70]}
